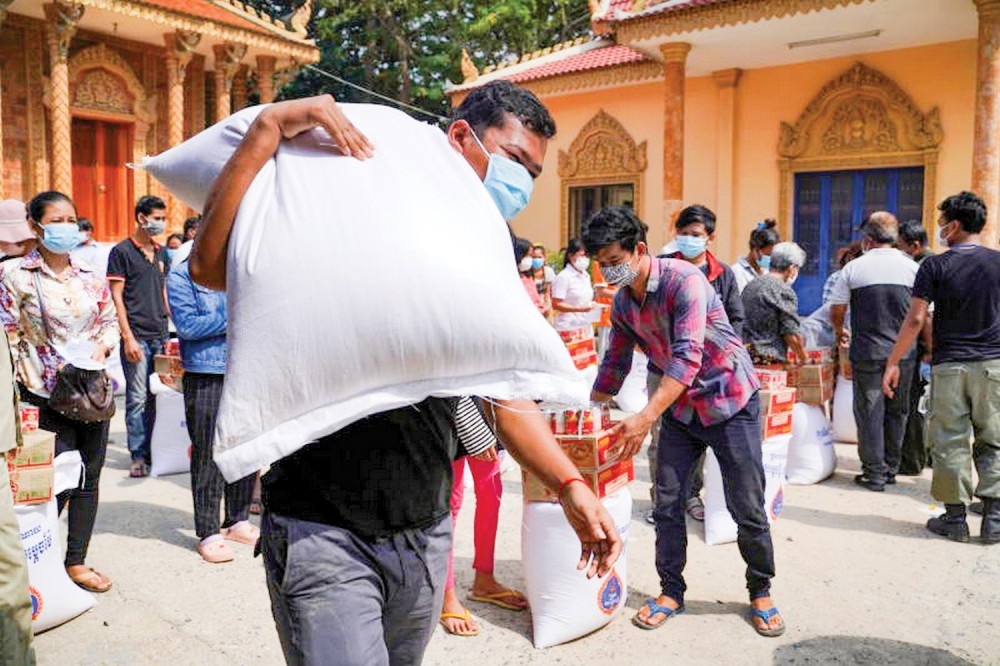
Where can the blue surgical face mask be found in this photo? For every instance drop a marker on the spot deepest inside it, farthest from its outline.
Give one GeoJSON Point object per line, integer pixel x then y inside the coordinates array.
{"type": "Point", "coordinates": [171, 253]}
{"type": "Point", "coordinates": [691, 246]}
{"type": "Point", "coordinates": [764, 261]}
{"type": "Point", "coordinates": [508, 182]}
{"type": "Point", "coordinates": [60, 237]}
{"type": "Point", "coordinates": [537, 263]}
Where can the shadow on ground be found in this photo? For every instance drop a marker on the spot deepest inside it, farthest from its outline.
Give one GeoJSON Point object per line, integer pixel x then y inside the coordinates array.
{"type": "Point", "coordinates": [862, 650]}
{"type": "Point", "coordinates": [146, 521]}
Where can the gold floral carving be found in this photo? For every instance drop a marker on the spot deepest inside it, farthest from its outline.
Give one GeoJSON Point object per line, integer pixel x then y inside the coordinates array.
{"type": "Point", "coordinates": [602, 148]}
{"type": "Point", "coordinates": [100, 90]}
{"type": "Point", "coordinates": [705, 17]}
{"type": "Point", "coordinates": [603, 152]}
{"type": "Point", "coordinates": [101, 58]}
{"type": "Point", "coordinates": [859, 120]}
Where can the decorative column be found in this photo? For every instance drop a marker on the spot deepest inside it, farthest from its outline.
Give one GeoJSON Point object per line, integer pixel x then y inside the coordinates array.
{"type": "Point", "coordinates": [227, 62]}
{"type": "Point", "coordinates": [180, 48]}
{"type": "Point", "coordinates": [62, 18]}
{"type": "Point", "coordinates": [4, 4]}
{"type": "Point", "coordinates": [265, 78]}
{"type": "Point", "coordinates": [241, 88]}
{"type": "Point", "coordinates": [986, 147]}
{"type": "Point", "coordinates": [727, 81]}
{"type": "Point", "coordinates": [674, 65]}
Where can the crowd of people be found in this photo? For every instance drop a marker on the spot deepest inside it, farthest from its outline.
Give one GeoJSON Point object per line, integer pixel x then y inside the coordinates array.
{"type": "Point", "coordinates": [701, 324]}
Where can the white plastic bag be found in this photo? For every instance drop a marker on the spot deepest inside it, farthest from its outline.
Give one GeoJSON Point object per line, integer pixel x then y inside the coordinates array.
{"type": "Point", "coordinates": [811, 456]}
{"type": "Point", "coordinates": [845, 428]}
{"type": "Point", "coordinates": [564, 604]}
{"type": "Point", "coordinates": [632, 395]}
{"type": "Point", "coordinates": [54, 597]}
{"type": "Point", "coordinates": [67, 471]}
{"type": "Point", "coordinates": [719, 524]}
{"type": "Point", "coordinates": [357, 287]}
{"type": "Point", "coordinates": [115, 371]}
{"type": "Point", "coordinates": [170, 445]}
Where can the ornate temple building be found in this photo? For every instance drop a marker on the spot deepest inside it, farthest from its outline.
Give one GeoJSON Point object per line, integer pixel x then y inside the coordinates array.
{"type": "Point", "coordinates": [813, 112]}
{"type": "Point", "coordinates": [87, 86]}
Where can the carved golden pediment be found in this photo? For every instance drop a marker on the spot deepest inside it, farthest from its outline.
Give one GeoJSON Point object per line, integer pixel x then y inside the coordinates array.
{"type": "Point", "coordinates": [101, 80]}
{"type": "Point", "coordinates": [861, 111]}
{"type": "Point", "coordinates": [602, 148]}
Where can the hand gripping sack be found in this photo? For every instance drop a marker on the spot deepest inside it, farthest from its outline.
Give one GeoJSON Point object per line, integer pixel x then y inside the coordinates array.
{"type": "Point", "coordinates": [565, 605]}
{"type": "Point", "coordinates": [719, 524]}
{"type": "Point", "coordinates": [811, 456]}
{"type": "Point", "coordinates": [54, 597]}
{"type": "Point", "coordinates": [357, 287]}
{"type": "Point", "coordinates": [845, 429]}
{"type": "Point", "coordinates": [170, 444]}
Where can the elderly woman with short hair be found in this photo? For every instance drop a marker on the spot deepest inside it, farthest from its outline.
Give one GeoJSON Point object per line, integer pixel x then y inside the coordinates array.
{"type": "Point", "coordinates": [770, 306]}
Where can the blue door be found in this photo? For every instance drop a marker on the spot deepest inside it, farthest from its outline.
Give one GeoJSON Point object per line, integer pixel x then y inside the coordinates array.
{"type": "Point", "coordinates": [829, 207]}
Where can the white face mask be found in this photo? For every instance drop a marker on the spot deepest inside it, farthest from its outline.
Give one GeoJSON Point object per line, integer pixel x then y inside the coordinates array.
{"type": "Point", "coordinates": [581, 264]}
{"type": "Point", "coordinates": [792, 278]}
{"type": "Point", "coordinates": [941, 239]}
{"type": "Point", "coordinates": [525, 265]}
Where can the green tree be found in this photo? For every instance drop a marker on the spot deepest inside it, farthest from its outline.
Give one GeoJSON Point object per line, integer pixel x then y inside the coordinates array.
{"type": "Point", "coordinates": [409, 49]}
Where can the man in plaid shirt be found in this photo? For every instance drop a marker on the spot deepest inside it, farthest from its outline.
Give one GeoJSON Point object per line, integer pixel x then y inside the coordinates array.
{"type": "Point", "coordinates": [707, 397]}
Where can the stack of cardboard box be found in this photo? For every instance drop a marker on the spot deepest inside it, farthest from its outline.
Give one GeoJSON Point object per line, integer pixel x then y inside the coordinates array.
{"type": "Point", "coordinates": [583, 434]}
{"type": "Point", "coordinates": [580, 343]}
{"type": "Point", "coordinates": [30, 465]}
{"type": "Point", "coordinates": [776, 402]}
{"type": "Point", "coordinates": [815, 379]}
{"type": "Point", "coordinates": [168, 365]}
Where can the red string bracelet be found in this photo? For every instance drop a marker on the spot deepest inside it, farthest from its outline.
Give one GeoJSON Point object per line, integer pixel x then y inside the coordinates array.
{"type": "Point", "coordinates": [566, 483]}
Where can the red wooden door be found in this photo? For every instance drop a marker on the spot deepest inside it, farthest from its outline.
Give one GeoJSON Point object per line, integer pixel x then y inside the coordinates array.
{"type": "Point", "coordinates": [102, 185]}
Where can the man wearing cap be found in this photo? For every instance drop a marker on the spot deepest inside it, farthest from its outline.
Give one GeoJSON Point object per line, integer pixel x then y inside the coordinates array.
{"type": "Point", "coordinates": [16, 237]}
{"type": "Point", "coordinates": [15, 605]}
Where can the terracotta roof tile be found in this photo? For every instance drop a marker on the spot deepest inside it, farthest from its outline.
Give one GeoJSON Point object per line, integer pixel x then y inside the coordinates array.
{"type": "Point", "coordinates": [625, 9]}
{"type": "Point", "coordinates": [599, 58]}
{"type": "Point", "coordinates": [207, 10]}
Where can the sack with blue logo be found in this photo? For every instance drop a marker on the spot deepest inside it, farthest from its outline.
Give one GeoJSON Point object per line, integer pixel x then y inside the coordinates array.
{"type": "Point", "coordinates": [565, 605]}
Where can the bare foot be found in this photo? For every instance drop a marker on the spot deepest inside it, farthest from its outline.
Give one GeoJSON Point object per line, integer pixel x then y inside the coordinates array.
{"type": "Point", "coordinates": [775, 623]}
{"type": "Point", "coordinates": [648, 618]}
{"type": "Point", "coordinates": [456, 618]}
{"type": "Point", "coordinates": [486, 586]}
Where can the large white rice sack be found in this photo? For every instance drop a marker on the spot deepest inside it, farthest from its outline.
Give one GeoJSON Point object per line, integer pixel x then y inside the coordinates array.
{"type": "Point", "coordinates": [845, 428]}
{"type": "Point", "coordinates": [632, 395]}
{"type": "Point", "coordinates": [811, 456]}
{"type": "Point", "coordinates": [357, 287]}
{"type": "Point", "coordinates": [170, 444]}
{"type": "Point", "coordinates": [564, 604]}
{"type": "Point", "coordinates": [54, 597]}
{"type": "Point", "coordinates": [719, 524]}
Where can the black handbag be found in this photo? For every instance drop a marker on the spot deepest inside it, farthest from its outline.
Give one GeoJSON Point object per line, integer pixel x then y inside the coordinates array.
{"type": "Point", "coordinates": [79, 395]}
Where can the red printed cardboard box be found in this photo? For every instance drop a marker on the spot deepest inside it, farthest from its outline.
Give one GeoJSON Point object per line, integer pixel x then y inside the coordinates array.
{"type": "Point", "coordinates": [777, 401]}
{"type": "Point", "coordinates": [31, 485]}
{"type": "Point", "coordinates": [38, 450]}
{"type": "Point", "coordinates": [605, 481]}
{"type": "Point", "coordinates": [811, 375]}
{"type": "Point", "coordinates": [816, 395]}
{"type": "Point", "coordinates": [29, 418]}
{"type": "Point", "coordinates": [817, 356]}
{"type": "Point", "coordinates": [776, 424]}
{"type": "Point", "coordinates": [170, 369]}
{"type": "Point", "coordinates": [771, 379]}
{"type": "Point", "coordinates": [591, 451]}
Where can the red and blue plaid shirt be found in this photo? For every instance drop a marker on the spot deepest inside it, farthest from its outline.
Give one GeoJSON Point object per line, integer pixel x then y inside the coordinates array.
{"type": "Point", "coordinates": [683, 329]}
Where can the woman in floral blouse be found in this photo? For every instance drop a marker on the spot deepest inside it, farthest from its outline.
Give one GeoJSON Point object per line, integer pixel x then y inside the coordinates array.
{"type": "Point", "coordinates": [77, 309]}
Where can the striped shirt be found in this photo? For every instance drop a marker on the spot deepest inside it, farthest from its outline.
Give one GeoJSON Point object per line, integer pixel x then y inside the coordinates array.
{"type": "Point", "coordinates": [683, 329]}
{"type": "Point", "coordinates": [474, 434]}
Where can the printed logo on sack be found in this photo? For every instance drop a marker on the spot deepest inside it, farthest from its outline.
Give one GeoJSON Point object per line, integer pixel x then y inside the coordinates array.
{"type": "Point", "coordinates": [610, 594]}
{"type": "Point", "coordinates": [36, 602]}
{"type": "Point", "coordinates": [777, 504]}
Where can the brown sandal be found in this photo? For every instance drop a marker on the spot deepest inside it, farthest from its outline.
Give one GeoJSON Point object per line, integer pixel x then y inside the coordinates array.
{"type": "Point", "coordinates": [91, 580]}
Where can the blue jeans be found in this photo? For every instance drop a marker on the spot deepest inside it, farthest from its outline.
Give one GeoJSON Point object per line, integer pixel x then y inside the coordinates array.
{"type": "Point", "coordinates": [736, 444]}
{"type": "Point", "coordinates": [340, 600]}
{"type": "Point", "coordinates": [140, 403]}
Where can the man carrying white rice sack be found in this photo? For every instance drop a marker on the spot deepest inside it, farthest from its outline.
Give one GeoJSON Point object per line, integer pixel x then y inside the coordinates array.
{"type": "Point", "coordinates": [356, 527]}
{"type": "Point", "coordinates": [707, 397]}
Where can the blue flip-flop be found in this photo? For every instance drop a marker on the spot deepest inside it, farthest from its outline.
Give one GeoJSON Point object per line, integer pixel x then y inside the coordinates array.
{"type": "Point", "coordinates": [654, 610]}
{"type": "Point", "coordinates": [766, 616]}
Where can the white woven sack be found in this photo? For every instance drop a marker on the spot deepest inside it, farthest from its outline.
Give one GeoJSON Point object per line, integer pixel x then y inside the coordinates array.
{"type": "Point", "coordinates": [565, 605]}
{"type": "Point", "coordinates": [845, 428]}
{"type": "Point", "coordinates": [54, 597]}
{"type": "Point", "coordinates": [811, 456]}
{"type": "Point", "coordinates": [170, 444]}
{"type": "Point", "coordinates": [632, 395]}
{"type": "Point", "coordinates": [357, 287]}
{"type": "Point", "coordinates": [719, 524]}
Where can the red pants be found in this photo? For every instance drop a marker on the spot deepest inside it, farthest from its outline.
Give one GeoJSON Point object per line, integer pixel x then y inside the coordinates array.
{"type": "Point", "coordinates": [489, 490]}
